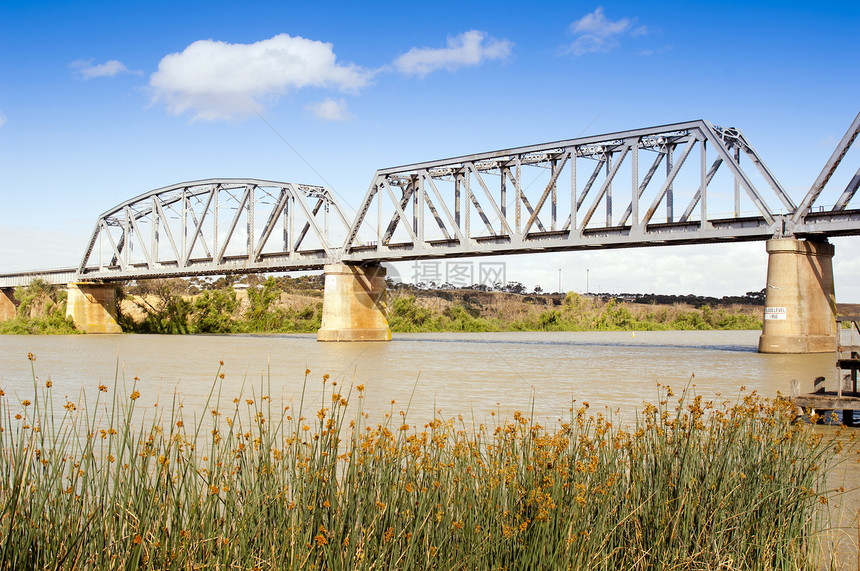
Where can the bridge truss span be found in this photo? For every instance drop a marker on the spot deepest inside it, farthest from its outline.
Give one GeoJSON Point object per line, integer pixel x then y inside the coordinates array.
{"type": "Point", "coordinates": [616, 190]}
{"type": "Point", "coordinates": [216, 226]}
{"type": "Point", "coordinates": [683, 183]}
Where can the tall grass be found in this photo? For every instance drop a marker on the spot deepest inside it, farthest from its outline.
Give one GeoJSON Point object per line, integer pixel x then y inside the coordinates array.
{"type": "Point", "coordinates": [260, 485]}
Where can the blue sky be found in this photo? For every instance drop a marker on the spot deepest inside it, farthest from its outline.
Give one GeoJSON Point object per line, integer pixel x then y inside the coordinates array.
{"type": "Point", "coordinates": [101, 101]}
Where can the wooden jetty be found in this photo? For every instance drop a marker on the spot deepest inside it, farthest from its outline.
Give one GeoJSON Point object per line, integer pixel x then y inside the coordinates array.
{"type": "Point", "coordinates": [846, 396]}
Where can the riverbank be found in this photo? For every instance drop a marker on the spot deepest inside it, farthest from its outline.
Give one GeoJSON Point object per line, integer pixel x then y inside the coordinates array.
{"type": "Point", "coordinates": [41, 310]}
{"type": "Point", "coordinates": [276, 306]}
{"type": "Point", "coordinates": [318, 484]}
{"type": "Point", "coordinates": [495, 311]}
{"type": "Point", "coordinates": [285, 305]}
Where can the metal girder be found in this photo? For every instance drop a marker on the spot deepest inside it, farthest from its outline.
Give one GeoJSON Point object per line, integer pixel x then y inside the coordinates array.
{"type": "Point", "coordinates": [192, 212]}
{"type": "Point", "coordinates": [59, 276]}
{"type": "Point", "coordinates": [849, 192]}
{"type": "Point", "coordinates": [452, 182]}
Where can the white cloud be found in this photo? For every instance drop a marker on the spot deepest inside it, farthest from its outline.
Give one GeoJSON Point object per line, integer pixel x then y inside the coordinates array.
{"type": "Point", "coordinates": [217, 80]}
{"type": "Point", "coordinates": [86, 70]}
{"type": "Point", "coordinates": [330, 110]}
{"type": "Point", "coordinates": [467, 49]}
{"type": "Point", "coordinates": [597, 33]}
{"type": "Point", "coordinates": [657, 51]}
{"type": "Point", "coordinates": [2, 119]}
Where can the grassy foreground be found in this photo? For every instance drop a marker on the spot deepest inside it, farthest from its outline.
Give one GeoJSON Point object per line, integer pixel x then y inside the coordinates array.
{"type": "Point", "coordinates": [691, 485]}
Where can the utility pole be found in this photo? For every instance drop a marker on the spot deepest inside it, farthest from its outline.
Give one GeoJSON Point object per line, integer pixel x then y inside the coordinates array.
{"type": "Point", "coordinates": [559, 280]}
{"type": "Point", "coordinates": [586, 281]}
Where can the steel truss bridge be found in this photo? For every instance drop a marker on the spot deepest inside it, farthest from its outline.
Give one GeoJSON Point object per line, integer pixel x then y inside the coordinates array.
{"type": "Point", "coordinates": [610, 191]}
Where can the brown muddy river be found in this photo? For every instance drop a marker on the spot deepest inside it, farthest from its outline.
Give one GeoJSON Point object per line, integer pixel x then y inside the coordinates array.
{"type": "Point", "coordinates": [459, 373]}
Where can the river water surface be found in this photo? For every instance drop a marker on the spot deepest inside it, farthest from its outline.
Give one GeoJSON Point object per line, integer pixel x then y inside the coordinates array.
{"type": "Point", "coordinates": [458, 373]}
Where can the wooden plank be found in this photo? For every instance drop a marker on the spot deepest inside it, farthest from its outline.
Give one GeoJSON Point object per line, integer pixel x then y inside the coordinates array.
{"type": "Point", "coordinates": [848, 364]}
{"type": "Point", "coordinates": [829, 401]}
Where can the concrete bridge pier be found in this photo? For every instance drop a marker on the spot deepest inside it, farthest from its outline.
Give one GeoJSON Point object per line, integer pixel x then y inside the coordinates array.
{"type": "Point", "coordinates": [353, 306]}
{"type": "Point", "coordinates": [7, 303]}
{"type": "Point", "coordinates": [93, 307]}
{"type": "Point", "coordinates": [800, 303]}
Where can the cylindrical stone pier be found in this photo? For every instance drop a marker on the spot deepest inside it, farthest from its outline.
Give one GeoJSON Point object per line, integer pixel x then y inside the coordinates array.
{"type": "Point", "coordinates": [93, 307]}
{"type": "Point", "coordinates": [800, 303]}
{"type": "Point", "coordinates": [7, 303]}
{"type": "Point", "coordinates": [353, 307]}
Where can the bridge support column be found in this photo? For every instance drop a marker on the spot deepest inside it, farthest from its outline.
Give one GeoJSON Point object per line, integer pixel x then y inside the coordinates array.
{"type": "Point", "coordinates": [800, 303]}
{"type": "Point", "coordinates": [7, 303]}
{"type": "Point", "coordinates": [93, 307]}
{"type": "Point", "coordinates": [353, 307]}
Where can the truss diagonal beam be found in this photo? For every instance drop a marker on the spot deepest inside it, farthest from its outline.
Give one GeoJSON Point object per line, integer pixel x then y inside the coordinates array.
{"type": "Point", "coordinates": [400, 213]}
{"type": "Point", "coordinates": [395, 219]}
{"type": "Point", "coordinates": [668, 182]}
{"type": "Point", "coordinates": [828, 170]}
{"type": "Point", "coordinates": [307, 226]}
{"type": "Point", "coordinates": [116, 250]}
{"type": "Point", "coordinates": [498, 211]}
{"type": "Point", "coordinates": [439, 222]}
{"type": "Point", "coordinates": [848, 194]}
{"type": "Point", "coordinates": [521, 196]}
{"type": "Point", "coordinates": [198, 229]}
{"type": "Point", "coordinates": [603, 190]}
{"type": "Point", "coordinates": [270, 224]}
{"type": "Point", "coordinates": [166, 226]}
{"type": "Point", "coordinates": [442, 205]}
{"type": "Point", "coordinates": [698, 196]}
{"type": "Point", "coordinates": [553, 179]}
{"type": "Point", "coordinates": [741, 177]}
{"type": "Point", "coordinates": [641, 189]}
{"type": "Point", "coordinates": [139, 235]}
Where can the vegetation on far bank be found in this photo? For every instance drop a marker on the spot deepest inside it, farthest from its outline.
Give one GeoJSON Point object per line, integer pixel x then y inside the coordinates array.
{"type": "Point", "coordinates": [575, 312]}
{"type": "Point", "coordinates": [294, 305]}
{"type": "Point", "coordinates": [107, 484]}
{"type": "Point", "coordinates": [168, 306]}
{"type": "Point", "coordinates": [41, 310]}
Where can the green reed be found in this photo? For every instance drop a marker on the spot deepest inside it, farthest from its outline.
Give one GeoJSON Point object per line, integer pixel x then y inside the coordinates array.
{"type": "Point", "coordinates": [260, 485]}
